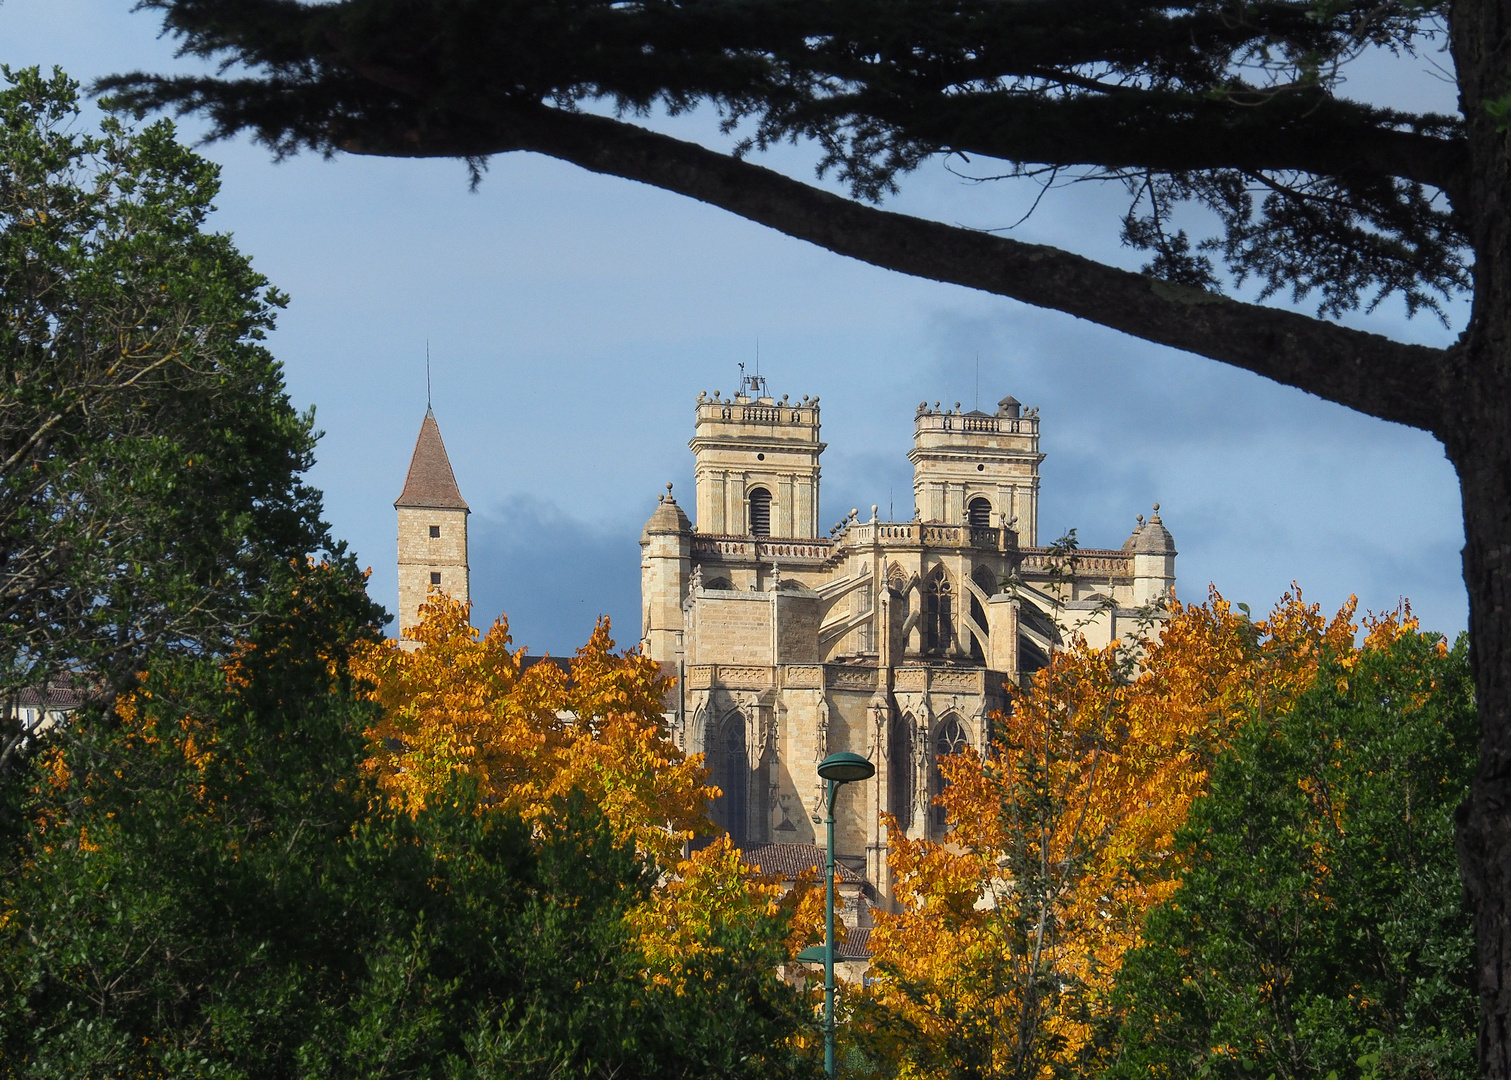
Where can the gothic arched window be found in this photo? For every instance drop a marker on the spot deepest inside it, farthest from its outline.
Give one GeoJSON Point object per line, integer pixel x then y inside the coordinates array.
{"type": "Point", "coordinates": [760, 512]}
{"type": "Point", "coordinates": [731, 775]}
{"type": "Point", "coordinates": [900, 771]}
{"type": "Point", "coordinates": [949, 738]}
{"type": "Point", "coordinates": [938, 613]}
{"type": "Point", "coordinates": [979, 513]}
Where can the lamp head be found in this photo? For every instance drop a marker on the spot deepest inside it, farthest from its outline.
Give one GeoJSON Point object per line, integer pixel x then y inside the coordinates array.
{"type": "Point", "coordinates": [845, 767]}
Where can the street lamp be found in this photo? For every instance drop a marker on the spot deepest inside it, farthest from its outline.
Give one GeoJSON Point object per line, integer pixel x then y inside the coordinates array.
{"type": "Point", "coordinates": [836, 769]}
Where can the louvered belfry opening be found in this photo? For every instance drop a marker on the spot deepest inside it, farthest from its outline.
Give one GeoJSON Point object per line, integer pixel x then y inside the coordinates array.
{"type": "Point", "coordinates": [760, 512]}
{"type": "Point", "coordinates": [980, 511]}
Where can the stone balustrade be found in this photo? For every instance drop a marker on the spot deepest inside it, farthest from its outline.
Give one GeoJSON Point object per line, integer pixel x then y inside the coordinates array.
{"type": "Point", "coordinates": [708, 546]}
{"type": "Point", "coordinates": [908, 678]}
{"type": "Point", "coordinates": [1095, 561]}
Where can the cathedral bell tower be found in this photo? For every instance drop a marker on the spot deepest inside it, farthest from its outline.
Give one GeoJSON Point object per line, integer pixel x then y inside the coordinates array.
{"type": "Point", "coordinates": [755, 463]}
{"type": "Point", "coordinates": [978, 468]}
{"type": "Point", "coordinates": [432, 528]}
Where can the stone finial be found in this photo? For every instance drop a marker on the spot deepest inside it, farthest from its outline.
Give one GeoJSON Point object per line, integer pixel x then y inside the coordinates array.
{"type": "Point", "coordinates": [957, 406]}
{"type": "Point", "coordinates": [1140, 519]}
{"type": "Point", "coordinates": [1153, 537]}
{"type": "Point", "coordinates": [874, 509]}
{"type": "Point", "coordinates": [669, 497]}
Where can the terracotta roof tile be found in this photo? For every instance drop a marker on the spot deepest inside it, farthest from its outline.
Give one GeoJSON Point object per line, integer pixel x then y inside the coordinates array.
{"type": "Point", "coordinates": [58, 694]}
{"type": "Point", "coordinates": [857, 943]}
{"type": "Point", "coordinates": [788, 861]}
{"type": "Point", "coordinates": [430, 482]}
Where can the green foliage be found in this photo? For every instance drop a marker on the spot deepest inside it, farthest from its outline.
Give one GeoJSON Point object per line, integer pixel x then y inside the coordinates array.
{"type": "Point", "coordinates": [1319, 930]}
{"type": "Point", "coordinates": [210, 887]}
{"type": "Point", "coordinates": [150, 460]}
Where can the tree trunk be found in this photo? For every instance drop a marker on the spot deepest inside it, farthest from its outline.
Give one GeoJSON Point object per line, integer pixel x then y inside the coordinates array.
{"type": "Point", "coordinates": [1476, 428]}
{"type": "Point", "coordinates": [1485, 821]}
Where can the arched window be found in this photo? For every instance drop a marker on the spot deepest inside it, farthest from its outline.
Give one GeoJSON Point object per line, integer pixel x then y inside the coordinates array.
{"type": "Point", "coordinates": [949, 738]}
{"type": "Point", "coordinates": [731, 775]}
{"type": "Point", "coordinates": [979, 513]}
{"type": "Point", "coordinates": [760, 512]}
{"type": "Point", "coordinates": [938, 613]}
{"type": "Point", "coordinates": [900, 771]}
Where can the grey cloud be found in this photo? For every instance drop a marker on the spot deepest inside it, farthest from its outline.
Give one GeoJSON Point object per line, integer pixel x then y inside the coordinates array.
{"type": "Point", "coordinates": [554, 575]}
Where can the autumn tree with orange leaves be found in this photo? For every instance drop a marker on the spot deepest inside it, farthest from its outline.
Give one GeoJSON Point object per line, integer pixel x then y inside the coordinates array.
{"type": "Point", "coordinates": [1002, 957]}
{"type": "Point", "coordinates": [463, 704]}
{"type": "Point", "coordinates": [456, 703]}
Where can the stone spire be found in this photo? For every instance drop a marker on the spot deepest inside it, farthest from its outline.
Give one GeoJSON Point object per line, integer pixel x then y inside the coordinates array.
{"type": "Point", "coordinates": [432, 528]}
{"type": "Point", "coordinates": [430, 483]}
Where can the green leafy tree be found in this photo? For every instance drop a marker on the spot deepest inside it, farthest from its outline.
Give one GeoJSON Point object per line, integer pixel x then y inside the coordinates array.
{"type": "Point", "coordinates": [211, 886]}
{"type": "Point", "coordinates": [150, 460]}
{"type": "Point", "coordinates": [1228, 111]}
{"type": "Point", "coordinates": [1319, 930]}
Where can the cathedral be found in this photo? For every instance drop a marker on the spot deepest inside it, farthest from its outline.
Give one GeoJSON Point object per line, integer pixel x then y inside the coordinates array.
{"type": "Point", "coordinates": [890, 639]}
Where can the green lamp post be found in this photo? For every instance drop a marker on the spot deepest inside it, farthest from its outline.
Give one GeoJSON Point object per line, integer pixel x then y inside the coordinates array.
{"type": "Point", "coordinates": [836, 769]}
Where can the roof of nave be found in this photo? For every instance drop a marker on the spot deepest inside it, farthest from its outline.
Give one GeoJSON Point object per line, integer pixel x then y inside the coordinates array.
{"type": "Point", "coordinates": [430, 483]}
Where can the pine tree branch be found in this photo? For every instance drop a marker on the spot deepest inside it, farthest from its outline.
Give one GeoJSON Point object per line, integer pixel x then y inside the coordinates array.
{"type": "Point", "coordinates": [1367, 372]}
{"type": "Point", "coordinates": [1175, 132]}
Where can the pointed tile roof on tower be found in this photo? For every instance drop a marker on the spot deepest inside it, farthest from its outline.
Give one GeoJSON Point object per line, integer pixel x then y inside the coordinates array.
{"type": "Point", "coordinates": [430, 482]}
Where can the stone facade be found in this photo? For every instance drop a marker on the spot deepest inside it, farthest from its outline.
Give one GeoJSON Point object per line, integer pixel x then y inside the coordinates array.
{"type": "Point", "coordinates": [889, 639]}
{"type": "Point", "coordinates": [432, 528]}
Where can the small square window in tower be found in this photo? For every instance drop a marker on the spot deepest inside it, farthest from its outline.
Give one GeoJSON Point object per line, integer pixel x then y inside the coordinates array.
{"type": "Point", "coordinates": [435, 530]}
{"type": "Point", "coordinates": [435, 577]}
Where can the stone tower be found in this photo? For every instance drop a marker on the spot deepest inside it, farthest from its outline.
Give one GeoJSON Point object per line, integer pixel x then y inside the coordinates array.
{"type": "Point", "coordinates": [755, 463]}
{"type": "Point", "coordinates": [432, 528]}
{"type": "Point", "coordinates": [666, 547]}
{"type": "Point", "coordinates": [978, 468]}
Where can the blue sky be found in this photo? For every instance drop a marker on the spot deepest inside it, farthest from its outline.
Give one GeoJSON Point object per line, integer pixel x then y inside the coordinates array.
{"type": "Point", "coordinates": [572, 320]}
